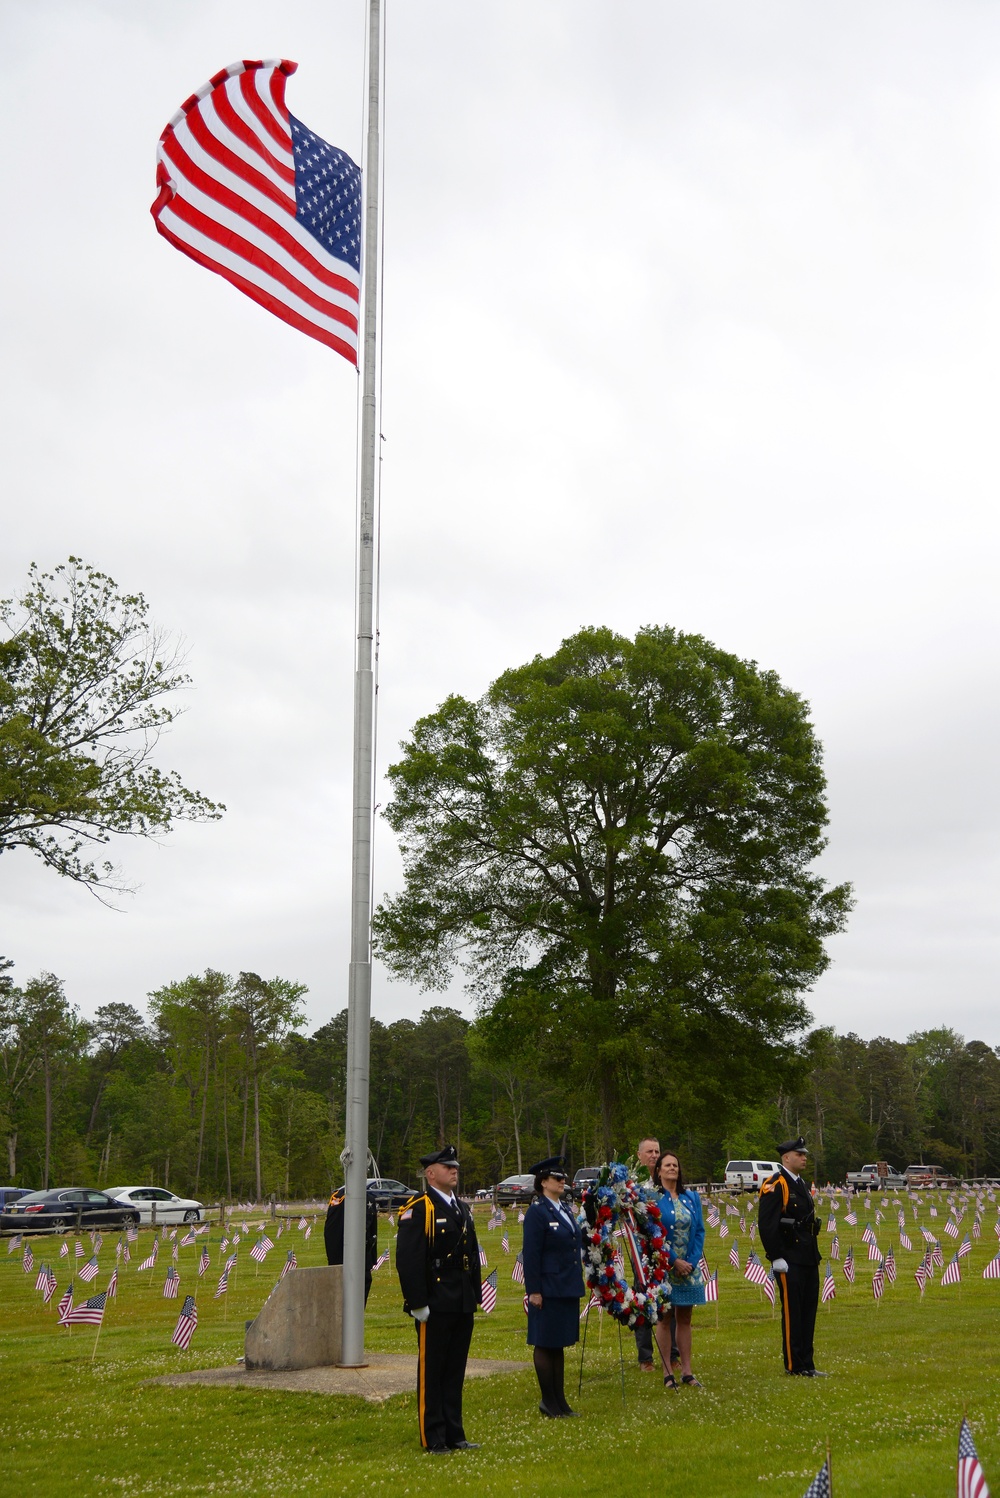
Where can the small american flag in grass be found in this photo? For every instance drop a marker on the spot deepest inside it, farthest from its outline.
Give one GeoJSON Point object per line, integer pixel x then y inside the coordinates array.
{"type": "Point", "coordinates": [28, 1262]}
{"type": "Point", "coordinates": [965, 1247]}
{"type": "Point", "coordinates": [992, 1270]}
{"type": "Point", "coordinates": [829, 1286]}
{"type": "Point", "coordinates": [517, 1273]}
{"type": "Point", "coordinates": [204, 1261]}
{"type": "Point", "coordinates": [186, 1323]}
{"type": "Point", "coordinates": [505, 1242]}
{"type": "Point", "coordinates": [490, 1292]}
{"type": "Point", "coordinates": [712, 1287]}
{"type": "Point", "coordinates": [878, 1281]}
{"type": "Point", "coordinates": [78, 1250]}
{"type": "Point", "coordinates": [187, 1240]}
{"type": "Point", "coordinates": [66, 1302]}
{"type": "Point", "coordinates": [89, 1270]}
{"type": "Point", "coordinates": [89, 1312]}
{"type": "Point", "coordinates": [971, 1478]}
{"type": "Point", "coordinates": [755, 1271]}
{"type": "Point", "coordinates": [171, 1284]}
{"type": "Point", "coordinates": [849, 1266]}
{"type": "Point", "coordinates": [953, 1274]}
{"type": "Point", "coordinates": [261, 1249]}
{"type": "Point", "coordinates": [50, 1288]}
{"type": "Point", "coordinates": [113, 1283]}
{"type": "Point", "coordinates": [150, 1261]}
{"type": "Point", "coordinates": [63, 1251]}
{"type": "Point", "coordinates": [482, 1257]}
{"type": "Point", "coordinates": [42, 1277]}
{"type": "Point", "coordinates": [734, 1256]}
{"type": "Point", "coordinates": [820, 1487]}
{"type": "Point", "coordinates": [291, 1262]}
{"type": "Point", "coordinates": [383, 1258]}
{"type": "Point", "coordinates": [14, 1244]}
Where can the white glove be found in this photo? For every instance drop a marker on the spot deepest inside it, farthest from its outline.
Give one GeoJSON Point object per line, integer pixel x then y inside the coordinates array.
{"type": "Point", "coordinates": [421, 1314]}
{"type": "Point", "coordinates": [780, 1266]}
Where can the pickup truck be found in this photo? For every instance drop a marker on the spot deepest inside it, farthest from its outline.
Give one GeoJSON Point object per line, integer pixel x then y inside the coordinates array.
{"type": "Point", "coordinates": [868, 1178]}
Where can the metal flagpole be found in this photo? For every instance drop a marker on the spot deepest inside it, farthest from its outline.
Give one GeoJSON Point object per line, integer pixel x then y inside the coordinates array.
{"type": "Point", "coordinates": [355, 1156]}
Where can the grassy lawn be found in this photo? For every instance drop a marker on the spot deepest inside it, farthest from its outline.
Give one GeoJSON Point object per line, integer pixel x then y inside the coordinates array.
{"type": "Point", "coordinates": [903, 1372]}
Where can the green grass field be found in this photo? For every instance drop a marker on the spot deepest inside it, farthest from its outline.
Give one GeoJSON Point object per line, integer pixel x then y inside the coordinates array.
{"type": "Point", "coordinates": [903, 1372]}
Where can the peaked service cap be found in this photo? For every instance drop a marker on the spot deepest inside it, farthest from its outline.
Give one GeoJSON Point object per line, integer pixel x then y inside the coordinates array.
{"type": "Point", "coordinates": [447, 1156]}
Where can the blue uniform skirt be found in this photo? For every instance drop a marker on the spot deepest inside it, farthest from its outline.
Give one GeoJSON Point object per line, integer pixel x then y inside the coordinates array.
{"type": "Point", "coordinates": [556, 1323]}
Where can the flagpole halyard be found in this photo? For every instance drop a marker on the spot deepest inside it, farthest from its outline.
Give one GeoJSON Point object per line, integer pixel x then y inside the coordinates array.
{"type": "Point", "coordinates": [355, 1156]}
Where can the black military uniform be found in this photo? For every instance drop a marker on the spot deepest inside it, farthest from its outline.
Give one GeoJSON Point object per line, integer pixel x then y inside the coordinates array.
{"type": "Point", "coordinates": [333, 1234]}
{"type": "Point", "coordinates": [788, 1232]}
{"type": "Point", "coordinates": [437, 1260]}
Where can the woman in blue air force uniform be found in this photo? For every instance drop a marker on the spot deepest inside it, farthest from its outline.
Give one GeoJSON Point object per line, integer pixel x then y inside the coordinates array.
{"type": "Point", "coordinates": [553, 1278]}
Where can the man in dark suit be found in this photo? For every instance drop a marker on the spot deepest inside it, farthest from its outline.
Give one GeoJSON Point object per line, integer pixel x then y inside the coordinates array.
{"type": "Point", "coordinates": [333, 1234]}
{"type": "Point", "coordinates": [437, 1260]}
{"type": "Point", "coordinates": [788, 1233]}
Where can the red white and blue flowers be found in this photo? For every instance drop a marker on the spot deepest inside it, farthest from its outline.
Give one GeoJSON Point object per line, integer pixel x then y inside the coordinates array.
{"type": "Point", "coordinates": [621, 1210]}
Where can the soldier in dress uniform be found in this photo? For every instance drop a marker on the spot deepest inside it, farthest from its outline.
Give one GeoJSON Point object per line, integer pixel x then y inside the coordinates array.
{"type": "Point", "coordinates": [788, 1233]}
{"type": "Point", "coordinates": [333, 1234]}
{"type": "Point", "coordinates": [437, 1260]}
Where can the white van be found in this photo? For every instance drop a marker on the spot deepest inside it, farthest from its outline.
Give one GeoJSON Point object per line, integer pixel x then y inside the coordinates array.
{"type": "Point", "coordinates": [746, 1175]}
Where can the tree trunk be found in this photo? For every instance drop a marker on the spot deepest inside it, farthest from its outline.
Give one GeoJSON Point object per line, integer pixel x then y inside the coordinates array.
{"type": "Point", "coordinates": [609, 1101]}
{"type": "Point", "coordinates": [48, 1117]}
{"type": "Point", "coordinates": [201, 1131]}
{"type": "Point", "coordinates": [12, 1154]}
{"type": "Point", "coordinates": [93, 1112]}
{"type": "Point", "coordinates": [256, 1134]}
{"type": "Point", "coordinates": [225, 1130]}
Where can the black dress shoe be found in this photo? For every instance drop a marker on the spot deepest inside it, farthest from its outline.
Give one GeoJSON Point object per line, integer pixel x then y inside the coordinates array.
{"type": "Point", "coordinates": [569, 1414]}
{"type": "Point", "coordinates": [818, 1373]}
{"type": "Point", "coordinates": [436, 1450]}
{"type": "Point", "coordinates": [552, 1414]}
{"type": "Point", "coordinates": [464, 1446]}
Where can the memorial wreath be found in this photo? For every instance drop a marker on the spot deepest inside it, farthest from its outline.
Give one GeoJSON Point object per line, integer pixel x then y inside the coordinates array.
{"type": "Point", "coordinates": [621, 1210]}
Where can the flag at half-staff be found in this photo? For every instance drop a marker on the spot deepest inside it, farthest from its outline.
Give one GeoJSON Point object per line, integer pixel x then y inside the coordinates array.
{"type": "Point", "coordinates": [249, 192]}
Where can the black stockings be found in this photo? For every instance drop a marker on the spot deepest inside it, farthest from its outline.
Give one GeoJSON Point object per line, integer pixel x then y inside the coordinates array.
{"type": "Point", "coordinates": [549, 1366]}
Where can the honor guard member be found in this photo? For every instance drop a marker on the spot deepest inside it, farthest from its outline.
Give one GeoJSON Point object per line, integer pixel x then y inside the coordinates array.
{"type": "Point", "coordinates": [788, 1233]}
{"type": "Point", "coordinates": [437, 1260]}
{"type": "Point", "coordinates": [333, 1234]}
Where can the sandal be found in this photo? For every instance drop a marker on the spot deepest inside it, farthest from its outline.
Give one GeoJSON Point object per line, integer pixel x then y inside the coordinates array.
{"type": "Point", "coordinates": [669, 1382]}
{"type": "Point", "coordinates": [691, 1381]}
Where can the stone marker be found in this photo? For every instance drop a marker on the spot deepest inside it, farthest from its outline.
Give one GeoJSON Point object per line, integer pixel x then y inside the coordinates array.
{"type": "Point", "coordinates": [299, 1325]}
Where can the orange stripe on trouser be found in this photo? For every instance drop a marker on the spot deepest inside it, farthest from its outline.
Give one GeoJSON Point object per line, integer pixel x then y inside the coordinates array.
{"type": "Point", "coordinates": [421, 1371]}
{"type": "Point", "coordinates": [783, 1282]}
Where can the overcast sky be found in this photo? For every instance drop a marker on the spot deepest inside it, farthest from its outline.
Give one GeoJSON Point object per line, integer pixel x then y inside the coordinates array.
{"type": "Point", "coordinates": [691, 317]}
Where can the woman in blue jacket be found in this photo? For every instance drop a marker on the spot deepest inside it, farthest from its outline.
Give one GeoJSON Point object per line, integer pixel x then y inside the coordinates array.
{"type": "Point", "coordinates": [552, 1257]}
{"type": "Point", "coordinates": [684, 1226]}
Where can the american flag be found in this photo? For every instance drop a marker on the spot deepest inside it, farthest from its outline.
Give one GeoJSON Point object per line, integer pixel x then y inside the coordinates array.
{"type": "Point", "coordinates": [520, 1216]}
{"type": "Point", "coordinates": [712, 1286]}
{"type": "Point", "coordinates": [203, 1261]}
{"type": "Point", "coordinates": [525, 1304]}
{"type": "Point", "coordinates": [505, 1242]}
{"type": "Point", "coordinates": [307, 1231]}
{"type": "Point", "coordinates": [517, 1273]}
{"type": "Point", "coordinates": [66, 1302]}
{"type": "Point", "coordinates": [849, 1266]}
{"type": "Point", "coordinates": [965, 1247]}
{"type": "Point", "coordinates": [482, 1257]}
{"type": "Point", "coordinates": [89, 1311]}
{"type": "Point", "coordinates": [890, 1266]}
{"type": "Point", "coordinates": [490, 1292]}
{"type": "Point", "coordinates": [831, 1223]}
{"type": "Point", "coordinates": [171, 1284]}
{"type": "Point", "coordinates": [868, 1235]}
{"type": "Point", "coordinates": [951, 1229]}
{"type": "Point", "coordinates": [302, 1223]}
{"type": "Point", "coordinates": [132, 1235]}
{"type": "Point", "coordinates": [186, 1323]}
{"type": "Point", "coordinates": [920, 1275]}
{"type": "Point", "coordinates": [852, 1218]}
{"type": "Point", "coordinates": [50, 1288]}
{"type": "Point", "coordinates": [977, 1226]}
{"type": "Point", "coordinates": [118, 1249]}
{"type": "Point", "coordinates": [78, 1250]}
{"type": "Point", "coordinates": [971, 1479]}
{"type": "Point", "coordinates": [98, 1242]}
{"type": "Point", "coordinates": [383, 1258]}
{"type": "Point", "coordinates": [126, 1254]}
{"type": "Point", "coordinates": [63, 1251]}
{"type": "Point", "coordinates": [261, 1249]}
{"type": "Point", "coordinates": [291, 1262]}
{"type": "Point", "coordinates": [904, 1241]}
{"type": "Point", "coordinates": [873, 1251]}
{"type": "Point", "coordinates": [42, 1277]}
{"type": "Point", "coordinates": [953, 1274]}
{"type": "Point", "coordinates": [150, 1261]}
{"type": "Point", "coordinates": [113, 1284]}
{"type": "Point", "coordinates": [14, 1244]}
{"type": "Point", "coordinates": [834, 1247]}
{"type": "Point", "coordinates": [250, 193]}
{"type": "Point", "coordinates": [734, 1256]}
{"type": "Point", "coordinates": [223, 1245]}
{"type": "Point", "coordinates": [723, 1230]}
{"type": "Point", "coordinates": [829, 1286]}
{"type": "Point", "coordinates": [878, 1281]}
{"type": "Point", "coordinates": [755, 1271]}
{"type": "Point", "coordinates": [703, 1268]}
{"type": "Point", "coordinates": [937, 1255]}
{"type": "Point", "coordinates": [187, 1240]}
{"type": "Point", "coordinates": [992, 1270]}
{"type": "Point", "coordinates": [933, 1211]}
{"type": "Point", "coordinates": [89, 1269]}
{"type": "Point", "coordinates": [821, 1486]}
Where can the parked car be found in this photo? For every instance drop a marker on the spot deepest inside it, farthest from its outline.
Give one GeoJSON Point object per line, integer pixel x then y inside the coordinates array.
{"type": "Point", "coordinates": [9, 1194]}
{"type": "Point", "coordinates": [485, 1194]}
{"type": "Point", "coordinates": [169, 1208]}
{"type": "Point", "coordinates": [65, 1207]}
{"type": "Point", "coordinates": [515, 1191]}
{"type": "Point", "coordinates": [879, 1177]}
{"type": "Point", "coordinates": [386, 1193]}
{"type": "Point", "coordinates": [746, 1175]}
{"type": "Point", "coordinates": [931, 1176]}
{"type": "Point", "coordinates": [585, 1176]}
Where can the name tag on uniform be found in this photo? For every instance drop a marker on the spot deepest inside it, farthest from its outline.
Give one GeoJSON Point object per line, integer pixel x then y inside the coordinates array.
{"type": "Point", "coordinates": [553, 1224]}
{"type": "Point", "coordinates": [441, 1222]}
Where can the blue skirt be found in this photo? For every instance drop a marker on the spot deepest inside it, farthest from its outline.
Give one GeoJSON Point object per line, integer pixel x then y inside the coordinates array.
{"type": "Point", "coordinates": [556, 1323]}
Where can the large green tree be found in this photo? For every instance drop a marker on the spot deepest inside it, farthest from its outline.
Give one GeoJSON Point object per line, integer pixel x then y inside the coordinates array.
{"type": "Point", "coordinates": [617, 842]}
{"type": "Point", "coordinates": [83, 677]}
